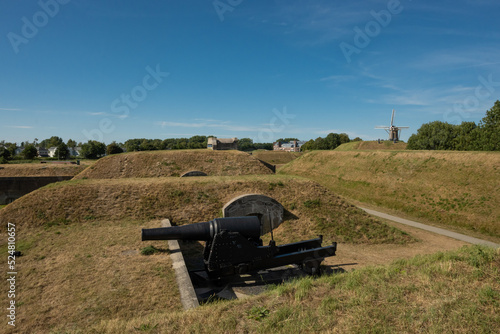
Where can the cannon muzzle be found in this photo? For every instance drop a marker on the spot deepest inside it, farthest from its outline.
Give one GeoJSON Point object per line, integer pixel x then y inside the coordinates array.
{"type": "Point", "coordinates": [248, 226]}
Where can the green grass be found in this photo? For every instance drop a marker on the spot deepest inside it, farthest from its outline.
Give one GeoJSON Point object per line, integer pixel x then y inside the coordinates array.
{"type": "Point", "coordinates": [452, 292]}
{"type": "Point", "coordinates": [452, 189]}
{"type": "Point", "coordinates": [349, 146]}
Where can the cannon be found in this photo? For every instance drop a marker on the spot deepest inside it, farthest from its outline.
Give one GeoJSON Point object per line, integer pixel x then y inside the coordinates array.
{"type": "Point", "coordinates": [234, 246]}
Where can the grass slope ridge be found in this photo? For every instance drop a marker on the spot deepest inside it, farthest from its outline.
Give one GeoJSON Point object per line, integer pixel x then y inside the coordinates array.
{"type": "Point", "coordinates": [372, 145]}
{"type": "Point", "coordinates": [452, 188]}
{"type": "Point", "coordinates": [82, 270]}
{"type": "Point", "coordinates": [174, 163]}
{"type": "Point", "coordinates": [312, 208]}
{"type": "Point", "coordinates": [34, 169]}
{"type": "Point", "coordinates": [276, 157]}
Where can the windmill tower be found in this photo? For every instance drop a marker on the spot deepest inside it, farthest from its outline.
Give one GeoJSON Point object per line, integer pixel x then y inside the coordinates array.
{"type": "Point", "coordinates": [393, 131]}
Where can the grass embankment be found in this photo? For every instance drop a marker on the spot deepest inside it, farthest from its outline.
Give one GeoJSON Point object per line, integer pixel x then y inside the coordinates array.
{"type": "Point", "coordinates": [457, 189]}
{"type": "Point", "coordinates": [449, 292]}
{"type": "Point", "coordinates": [372, 145]}
{"type": "Point", "coordinates": [312, 209]}
{"type": "Point", "coordinates": [82, 270]}
{"type": "Point", "coordinates": [33, 169]}
{"type": "Point", "coordinates": [276, 157]}
{"type": "Point", "coordinates": [174, 163]}
{"type": "Point", "coordinates": [442, 293]}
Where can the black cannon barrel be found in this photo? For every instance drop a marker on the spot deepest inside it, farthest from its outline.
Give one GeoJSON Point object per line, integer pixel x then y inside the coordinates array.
{"type": "Point", "coordinates": [248, 226]}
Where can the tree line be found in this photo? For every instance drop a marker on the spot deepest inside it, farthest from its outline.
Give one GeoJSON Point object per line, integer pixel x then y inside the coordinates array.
{"type": "Point", "coordinates": [330, 142]}
{"type": "Point", "coordinates": [467, 136]}
{"type": "Point", "coordinates": [94, 149]}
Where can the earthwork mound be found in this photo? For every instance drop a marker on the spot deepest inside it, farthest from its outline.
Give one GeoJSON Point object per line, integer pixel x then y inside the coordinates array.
{"type": "Point", "coordinates": [174, 163]}
{"type": "Point", "coordinates": [38, 169]}
{"type": "Point", "coordinates": [82, 262]}
{"type": "Point", "coordinates": [310, 208]}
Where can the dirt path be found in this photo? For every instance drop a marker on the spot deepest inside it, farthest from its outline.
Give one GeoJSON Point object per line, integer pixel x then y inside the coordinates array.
{"type": "Point", "coordinates": [350, 256]}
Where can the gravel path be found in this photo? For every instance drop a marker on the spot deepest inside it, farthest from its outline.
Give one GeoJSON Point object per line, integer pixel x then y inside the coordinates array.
{"type": "Point", "coordinates": [433, 229]}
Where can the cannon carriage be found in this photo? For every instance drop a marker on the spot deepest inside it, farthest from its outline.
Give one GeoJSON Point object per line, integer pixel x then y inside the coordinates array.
{"type": "Point", "coordinates": [233, 246]}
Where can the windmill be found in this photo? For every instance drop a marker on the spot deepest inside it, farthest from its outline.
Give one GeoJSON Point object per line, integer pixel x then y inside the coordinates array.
{"type": "Point", "coordinates": [393, 131]}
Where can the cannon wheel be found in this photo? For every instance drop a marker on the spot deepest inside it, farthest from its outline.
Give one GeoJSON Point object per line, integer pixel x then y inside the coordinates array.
{"type": "Point", "coordinates": [311, 267]}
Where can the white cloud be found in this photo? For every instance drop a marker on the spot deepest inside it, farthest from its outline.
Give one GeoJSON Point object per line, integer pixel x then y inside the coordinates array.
{"type": "Point", "coordinates": [102, 113]}
{"type": "Point", "coordinates": [20, 126]}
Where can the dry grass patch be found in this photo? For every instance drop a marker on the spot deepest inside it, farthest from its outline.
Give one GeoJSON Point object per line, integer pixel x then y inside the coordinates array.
{"type": "Point", "coordinates": [276, 157]}
{"type": "Point", "coordinates": [311, 208]}
{"type": "Point", "coordinates": [459, 189]}
{"type": "Point", "coordinates": [174, 163]}
{"type": "Point", "coordinates": [75, 275]}
{"type": "Point", "coordinates": [37, 169]}
{"type": "Point", "coordinates": [82, 271]}
{"type": "Point", "coordinates": [442, 293]}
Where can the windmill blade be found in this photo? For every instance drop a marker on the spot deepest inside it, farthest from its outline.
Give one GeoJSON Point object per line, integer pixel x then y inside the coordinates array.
{"type": "Point", "coordinates": [403, 127]}
{"type": "Point", "coordinates": [392, 117]}
{"type": "Point", "coordinates": [382, 127]}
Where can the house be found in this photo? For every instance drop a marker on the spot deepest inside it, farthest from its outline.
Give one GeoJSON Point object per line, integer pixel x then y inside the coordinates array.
{"type": "Point", "coordinates": [214, 143]}
{"type": "Point", "coordinates": [74, 151]}
{"type": "Point", "coordinates": [42, 152]}
{"type": "Point", "coordinates": [52, 151]}
{"type": "Point", "coordinates": [293, 146]}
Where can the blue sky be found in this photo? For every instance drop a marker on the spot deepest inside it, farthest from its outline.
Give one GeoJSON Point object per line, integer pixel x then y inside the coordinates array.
{"type": "Point", "coordinates": [115, 70]}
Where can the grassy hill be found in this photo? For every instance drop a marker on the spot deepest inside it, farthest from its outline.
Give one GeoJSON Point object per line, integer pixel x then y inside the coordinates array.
{"type": "Point", "coordinates": [372, 145]}
{"type": "Point", "coordinates": [276, 157]}
{"type": "Point", "coordinates": [311, 207]}
{"type": "Point", "coordinates": [174, 163]}
{"type": "Point", "coordinates": [453, 292]}
{"type": "Point", "coordinates": [457, 189]}
{"type": "Point", "coordinates": [38, 169]}
{"type": "Point", "coordinates": [82, 270]}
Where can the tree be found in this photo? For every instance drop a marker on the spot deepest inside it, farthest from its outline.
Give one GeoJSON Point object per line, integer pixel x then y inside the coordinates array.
{"type": "Point", "coordinates": [71, 143]}
{"type": "Point", "coordinates": [93, 149]}
{"type": "Point", "coordinates": [53, 141]}
{"type": "Point", "coordinates": [465, 136]}
{"type": "Point", "coordinates": [12, 147]}
{"type": "Point", "coordinates": [62, 151]}
{"type": "Point", "coordinates": [357, 139]}
{"type": "Point", "coordinates": [113, 148]}
{"type": "Point", "coordinates": [197, 142]}
{"type": "Point", "coordinates": [4, 153]}
{"type": "Point", "coordinates": [147, 145]}
{"type": "Point", "coordinates": [489, 129]}
{"type": "Point", "coordinates": [321, 144]}
{"type": "Point", "coordinates": [30, 152]}
{"type": "Point", "coordinates": [436, 135]}
{"type": "Point", "coordinates": [308, 146]}
{"type": "Point", "coordinates": [262, 146]}
{"type": "Point", "coordinates": [132, 145]}
{"type": "Point", "coordinates": [344, 138]}
{"type": "Point", "coordinates": [169, 144]}
{"type": "Point", "coordinates": [332, 141]}
{"type": "Point", "coordinates": [245, 144]}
